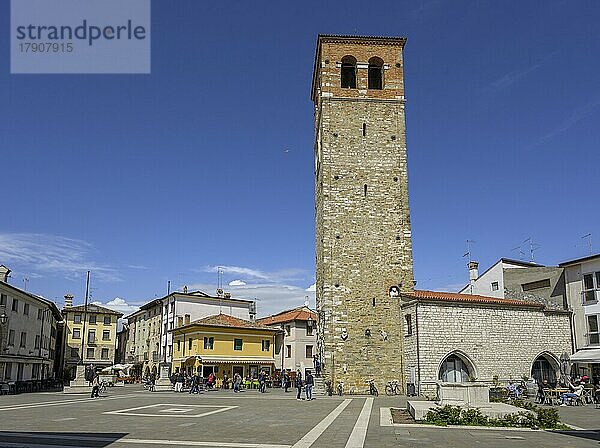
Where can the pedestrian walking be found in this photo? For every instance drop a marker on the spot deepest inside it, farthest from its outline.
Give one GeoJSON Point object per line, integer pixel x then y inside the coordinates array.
{"type": "Point", "coordinates": [96, 386]}
{"type": "Point", "coordinates": [237, 382]}
{"type": "Point", "coordinates": [309, 383]}
{"type": "Point", "coordinates": [193, 385]}
{"type": "Point", "coordinates": [179, 382]}
{"type": "Point", "coordinates": [262, 382]}
{"type": "Point", "coordinates": [298, 385]}
{"type": "Point", "coordinates": [286, 381]}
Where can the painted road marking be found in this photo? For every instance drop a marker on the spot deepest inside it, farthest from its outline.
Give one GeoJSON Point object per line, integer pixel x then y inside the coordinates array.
{"type": "Point", "coordinates": [61, 403]}
{"type": "Point", "coordinates": [175, 410]}
{"type": "Point", "coordinates": [385, 417]}
{"type": "Point", "coordinates": [359, 433]}
{"type": "Point", "coordinates": [311, 436]}
{"type": "Point", "coordinates": [64, 419]}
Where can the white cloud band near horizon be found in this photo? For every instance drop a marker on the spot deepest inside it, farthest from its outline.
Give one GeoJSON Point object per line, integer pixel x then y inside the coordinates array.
{"type": "Point", "coordinates": [41, 253]}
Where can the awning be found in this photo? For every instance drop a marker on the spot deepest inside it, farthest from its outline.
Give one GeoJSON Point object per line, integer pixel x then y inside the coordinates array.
{"type": "Point", "coordinates": [236, 360]}
{"type": "Point", "coordinates": [589, 355]}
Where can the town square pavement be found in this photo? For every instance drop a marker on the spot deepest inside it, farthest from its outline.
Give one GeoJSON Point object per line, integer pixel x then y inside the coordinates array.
{"type": "Point", "coordinates": [132, 417]}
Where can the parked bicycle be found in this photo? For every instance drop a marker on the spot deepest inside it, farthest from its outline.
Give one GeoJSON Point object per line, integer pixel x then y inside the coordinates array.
{"type": "Point", "coordinates": [372, 388]}
{"type": "Point", "coordinates": [340, 388]}
{"type": "Point", "coordinates": [393, 388]}
{"type": "Point", "coordinates": [102, 387]}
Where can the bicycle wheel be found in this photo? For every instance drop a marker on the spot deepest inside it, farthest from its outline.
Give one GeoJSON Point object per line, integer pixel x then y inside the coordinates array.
{"type": "Point", "coordinates": [375, 391]}
{"type": "Point", "coordinates": [389, 389]}
{"type": "Point", "coordinates": [397, 390]}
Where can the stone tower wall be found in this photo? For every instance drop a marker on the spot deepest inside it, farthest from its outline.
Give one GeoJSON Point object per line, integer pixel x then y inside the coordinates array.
{"type": "Point", "coordinates": [362, 214]}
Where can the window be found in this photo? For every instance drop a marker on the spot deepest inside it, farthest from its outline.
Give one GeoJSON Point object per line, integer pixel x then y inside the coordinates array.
{"type": "Point", "coordinates": [591, 283]}
{"type": "Point", "coordinates": [288, 330]}
{"type": "Point", "coordinates": [8, 371]}
{"type": "Point", "coordinates": [107, 320]}
{"type": "Point", "coordinates": [179, 345]}
{"type": "Point", "coordinates": [593, 332]}
{"type": "Point", "coordinates": [26, 309]}
{"type": "Point", "coordinates": [39, 314]}
{"type": "Point", "coordinates": [15, 305]}
{"type": "Point", "coordinates": [237, 344]}
{"type": "Point", "coordinates": [365, 188]}
{"type": "Point", "coordinates": [266, 345]}
{"type": "Point", "coordinates": [37, 341]}
{"type": "Point", "coordinates": [309, 351]}
{"type": "Point", "coordinates": [536, 285]}
{"type": "Point", "coordinates": [348, 72]}
{"type": "Point", "coordinates": [375, 73]}
{"type": "Point", "coordinates": [23, 339]}
{"type": "Point", "coordinates": [74, 352]}
{"type": "Point", "coordinates": [364, 129]}
{"type": "Point", "coordinates": [190, 342]}
{"type": "Point", "coordinates": [409, 328]}
{"type": "Point", "coordinates": [179, 321]}
{"type": "Point", "coordinates": [76, 333]}
{"type": "Point", "coordinates": [77, 318]}
{"type": "Point", "coordinates": [106, 335]}
{"type": "Point", "coordinates": [93, 319]}
{"type": "Point", "coordinates": [309, 329]}
{"type": "Point", "coordinates": [3, 299]}
{"type": "Point", "coordinates": [91, 337]}
{"type": "Point", "coordinates": [11, 337]}
{"type": "Point", "coordinates": [104, 353]}
{"type": "Point", "coordinates": [90, 353]}
{"type": "Point", "coordinates": [494, 286]}
{"type": "Point", "coordinates": [208, 343]}
{"type": "Point", "coordinates": [172, 307]}
{"type": "Point", "coordinates": [288, 351]}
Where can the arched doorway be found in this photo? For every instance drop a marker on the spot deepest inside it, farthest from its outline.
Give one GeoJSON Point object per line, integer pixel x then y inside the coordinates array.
{"type": "Point", "coordinates": [544, 368]}
{"type": "Point", "coordinates": [456, 369]}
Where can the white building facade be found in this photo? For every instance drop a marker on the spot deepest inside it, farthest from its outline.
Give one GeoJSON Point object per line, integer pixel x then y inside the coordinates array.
{"type": "Point", "coordinates": [582, 278]}
{"type": "Point", "coordinates": [296, 342]}
{"type": "Point", "coordinates": [29, 342]}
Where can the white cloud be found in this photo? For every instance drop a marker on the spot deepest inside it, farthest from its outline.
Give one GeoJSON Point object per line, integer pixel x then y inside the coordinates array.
{"type": "Point", "coordinates": [312, 288]}
{"type": "Point", "coordinates": [237, 283]}
{"type": "Point", "coordinates": [120, 305]}
{"type": "Point", "coordinates": [52, 254]}
{"type": "Point", "coordinates": [282, 275]}
{"type": "Point", "coordinates": [270, 298]}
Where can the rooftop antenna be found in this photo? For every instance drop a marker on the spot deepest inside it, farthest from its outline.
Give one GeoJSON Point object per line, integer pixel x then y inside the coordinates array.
{"type": "Point", "coordinates": [468, 252]}
{"type": "Point", "coordinates": [521, 253]}
{"type": "Point", "coordinates": [168, 287]}
{"type": "Point", "coordinates": [532, 248]}
{"type": "Point", "coordinates": [589, 242]}
{"type": "Point", "coordinates": [25, 280]}
{"type": "Point", "coordinates": [219, 277]}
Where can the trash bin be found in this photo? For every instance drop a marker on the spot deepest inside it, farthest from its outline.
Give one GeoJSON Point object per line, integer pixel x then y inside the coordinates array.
{"type": "Point", "coordinates": [410, 390]}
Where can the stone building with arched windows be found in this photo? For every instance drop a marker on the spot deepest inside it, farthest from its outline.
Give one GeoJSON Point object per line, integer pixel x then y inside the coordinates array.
{"type": "Point", "coordinates": [463, 337]}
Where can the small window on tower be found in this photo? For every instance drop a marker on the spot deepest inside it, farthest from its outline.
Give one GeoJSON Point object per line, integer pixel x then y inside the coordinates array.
{"type": "Point", "coordinates": [364, 129]}
{"type": "Point", "coordinates": [365, 190]}
{"type": "Point", "coordinates": [348, 72]}
{"type": "Point", "coordinates": [375, 73]}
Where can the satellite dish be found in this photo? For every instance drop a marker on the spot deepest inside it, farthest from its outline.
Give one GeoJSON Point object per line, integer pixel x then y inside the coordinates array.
{"type": "Point", "coordinates": [219, 291]}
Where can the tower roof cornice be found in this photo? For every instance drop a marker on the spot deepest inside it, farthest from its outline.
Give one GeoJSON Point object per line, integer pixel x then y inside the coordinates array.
{"type": "Point", "coordinates": [389, 41]}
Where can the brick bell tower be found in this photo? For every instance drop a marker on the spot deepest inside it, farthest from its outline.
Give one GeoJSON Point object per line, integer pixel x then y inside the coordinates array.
{"type": "Point", "coordinates": [364, 249]}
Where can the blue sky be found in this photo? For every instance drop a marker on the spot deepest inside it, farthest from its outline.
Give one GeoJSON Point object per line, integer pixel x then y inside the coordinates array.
{"type": "Point", "coordinates": [208, 161]}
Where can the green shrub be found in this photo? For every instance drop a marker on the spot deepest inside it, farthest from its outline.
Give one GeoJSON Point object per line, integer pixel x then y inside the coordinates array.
{"type": "Point", "coordinates": [536, 418]}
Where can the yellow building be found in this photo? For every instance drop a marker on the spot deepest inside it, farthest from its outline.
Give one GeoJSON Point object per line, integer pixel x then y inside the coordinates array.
{"type": "Point", "coordinates": [224, 345]}
{"type": "Point", "coordinates": [90, 336]}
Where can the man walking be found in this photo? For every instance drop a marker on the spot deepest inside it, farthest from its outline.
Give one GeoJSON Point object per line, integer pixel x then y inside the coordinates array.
{"type": "Point", "coordinates": [309, 385]}
{"type": "Point", "coordinates": [95, 386]}
{"type": "Point", "coordinates": [298, 385]}
{"type": "Point", "coordinates": [286, 381]}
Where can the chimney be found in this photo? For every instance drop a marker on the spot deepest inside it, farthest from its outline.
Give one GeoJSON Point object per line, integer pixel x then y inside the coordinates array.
{"type": "Point", "coordinates": [4, 274]}
{"type": "Point", "coordinates": [473, 273]}
{"type": "Point", "coordinates": [68, 300]}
